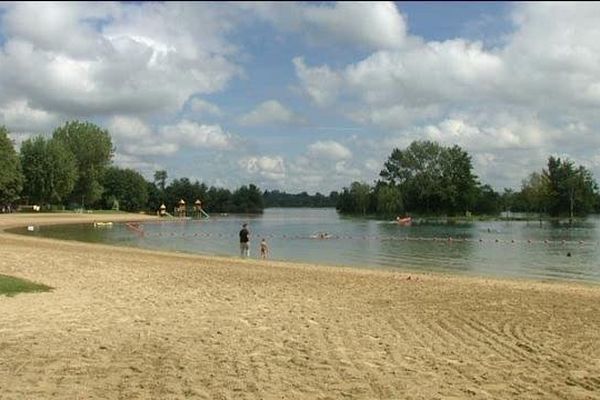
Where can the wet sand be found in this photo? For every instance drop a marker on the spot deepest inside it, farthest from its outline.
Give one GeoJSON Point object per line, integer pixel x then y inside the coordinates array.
{"type": "Point", "coordinates": [126, 323]}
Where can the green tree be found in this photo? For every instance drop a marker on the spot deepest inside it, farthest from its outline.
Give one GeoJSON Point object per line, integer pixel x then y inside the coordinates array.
{"type": "Point", "coordinates": [432, 178]}
{"type": "Point", "coordinates": [487, 201]}
{"type": "Point", "coordinates": [247, 199]}
{"type": "Point", "coordinates": [534, 192]}
{"type": "Point", "coordinates": [93, 150]}
{"type": "Point", "coordinates": [570, 190]}
{"type": "Point", "coordinates": [11, 178]}
{"type": "Point", "coordinates": [389, 201]}
{"type": "Point", "coordinates": [50, 170]}
{"type": "Point", "coordinates": [360, 193]}
{"type": "Point", "coordinates": [160, 179]}
{"type": "Point", "coordinates": [127, 187]}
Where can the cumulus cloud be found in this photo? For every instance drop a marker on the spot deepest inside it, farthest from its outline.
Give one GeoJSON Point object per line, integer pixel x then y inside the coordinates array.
{"type": "Point", "coordinates": [329, 149]}
{"type": "Point", "coordinates": [270, 167]}
{"type": "Point", "coordinates": [192, 134]}
{"type": "Point", "coordinates": [372, 25]}
{"type": "Point", "coordinates": [20, 117]}
{"type": "Point", "coordinates": [530, 96]}
{"type": "Point", "coordinates": [270, 112]}
{"type": "Point", "coordinates": [143, 58]}
{"type": "Point", "coordinates": [135, 137]}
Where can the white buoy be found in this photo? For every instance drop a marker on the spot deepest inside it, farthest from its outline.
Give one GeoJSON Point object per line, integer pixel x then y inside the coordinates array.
{"type": "Point", "coordinates": [30, 228]}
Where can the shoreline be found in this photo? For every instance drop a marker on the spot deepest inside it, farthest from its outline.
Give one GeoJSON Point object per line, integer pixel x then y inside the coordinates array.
{"type": "Point", "coordinates": [76, 218]}
{"type": "Point", "coordinates": [136, 323]}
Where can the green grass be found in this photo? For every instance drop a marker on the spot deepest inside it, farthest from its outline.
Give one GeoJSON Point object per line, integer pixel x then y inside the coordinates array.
{"type": "Point", "coordinates": [10, 286]}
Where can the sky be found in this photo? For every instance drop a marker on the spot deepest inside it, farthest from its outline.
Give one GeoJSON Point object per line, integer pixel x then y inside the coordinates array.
{"type": "Point", "coordinates": [308, 96]}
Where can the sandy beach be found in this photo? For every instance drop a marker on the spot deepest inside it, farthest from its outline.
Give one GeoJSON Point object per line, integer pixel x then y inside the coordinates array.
{"type": "Point", "coordinates": [126, 323]}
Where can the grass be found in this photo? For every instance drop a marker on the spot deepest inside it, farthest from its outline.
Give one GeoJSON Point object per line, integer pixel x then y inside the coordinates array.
{"type": "Point", "coordinates": [11, 286]}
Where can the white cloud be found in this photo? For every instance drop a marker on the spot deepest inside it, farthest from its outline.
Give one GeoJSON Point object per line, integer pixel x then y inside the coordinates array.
{"type": "Point", "coordinates": [188, 133]}
{"type": "Point", "coordinates": [131, 128]}
{"type": "Point", "coordinates": [329, 149]}
{"type": "Point", "coordinates": [270, 112]}
{"type": "Point", "coordinates": [204, 107]}
{"type": "Point", "coordinates": [321, 83]}
{"type": "Point", "coordinates": [20, 117]}
{"type": "Point", "coordinates": [144, 58]}
{"type": "Point", "coordinates": [272, 168]}
{"type": "Point", "coordinates": [372, 25]}
{"type": "Point", "coordinates": [533, 95]}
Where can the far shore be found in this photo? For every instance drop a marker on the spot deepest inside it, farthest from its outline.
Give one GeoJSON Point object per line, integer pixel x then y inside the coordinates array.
{"type": "Point", "coordinates": [136, 324]}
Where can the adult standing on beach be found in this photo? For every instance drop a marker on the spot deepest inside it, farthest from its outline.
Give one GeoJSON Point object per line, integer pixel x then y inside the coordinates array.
{"type": "Point", "coordinates": [245, 241]}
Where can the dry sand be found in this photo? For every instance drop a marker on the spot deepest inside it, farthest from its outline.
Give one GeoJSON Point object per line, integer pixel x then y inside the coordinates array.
{"type": "Point", "coordinates": [124, 323]}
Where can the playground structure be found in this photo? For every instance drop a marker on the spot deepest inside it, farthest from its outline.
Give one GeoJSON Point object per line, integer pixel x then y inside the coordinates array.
{"type": "Point", "coordinates": [181, 210]}
{"type": "Point", "coordinates": [198, 211]}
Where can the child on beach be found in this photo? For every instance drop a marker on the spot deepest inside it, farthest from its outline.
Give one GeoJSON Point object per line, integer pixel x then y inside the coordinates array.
{"type": "Point", "coordinates": [264, 249]}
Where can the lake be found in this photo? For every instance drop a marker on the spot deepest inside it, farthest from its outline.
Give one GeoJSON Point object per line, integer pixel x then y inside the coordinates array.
{"type": "Point", "coordinates": [482, 248]}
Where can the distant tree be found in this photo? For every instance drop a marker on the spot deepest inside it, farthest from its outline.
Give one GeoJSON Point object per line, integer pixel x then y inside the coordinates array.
{"type": "Point", "coordinates": [534, 192]}
{"type": "Point", "coordinates": [160, 179]}
{"type": "Point", "coordinates": [247, 199]}
{"type": "Point", "coordinates": [570, 190]}
{"type": "Point", "coordinates": [92, 148]}
{"type": "Point", "coordinates": [155, 197]}
{"type": "Point", "coordinates": [11, 178]}
{"type": "Point", "coordinates": [487, 201]}
{"type": "Point", "coordinates": [50, 170]}
{"type": "Point", "coordinates": [217, 200]}
{"type": "Point", "coordinates": [360, 193]}
{"type": "Point", "coordinates": [432, 178]}
{"type": "Point", "coordinates": [127, 187]}
{"type": "Point", "coordinates": [389, 201]}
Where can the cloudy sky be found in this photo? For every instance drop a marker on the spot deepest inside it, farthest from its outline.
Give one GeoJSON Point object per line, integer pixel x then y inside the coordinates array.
{"type": "Point", "coordinates": [308, 96]}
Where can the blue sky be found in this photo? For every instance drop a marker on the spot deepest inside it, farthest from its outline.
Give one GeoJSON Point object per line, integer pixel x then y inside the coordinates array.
{"type": "Point", "coordinates": [308, 96]}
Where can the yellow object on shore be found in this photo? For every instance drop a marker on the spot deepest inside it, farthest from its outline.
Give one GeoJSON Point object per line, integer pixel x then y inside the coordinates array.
{"type": "Point", "coordinates": [102, 224]}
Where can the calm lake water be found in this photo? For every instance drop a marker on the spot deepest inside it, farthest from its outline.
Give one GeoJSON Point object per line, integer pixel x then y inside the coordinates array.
{"type": "Point", "coordinates": [491, 248]}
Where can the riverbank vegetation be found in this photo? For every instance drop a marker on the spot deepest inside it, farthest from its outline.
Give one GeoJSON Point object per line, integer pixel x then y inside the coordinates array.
{"type": "Point", "coordinates": [73, 169]}
{"type": "Point", "coordinates": [429, 179]}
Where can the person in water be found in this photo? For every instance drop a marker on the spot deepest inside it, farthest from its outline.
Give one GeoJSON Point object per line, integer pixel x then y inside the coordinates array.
{"type": "Point", "coordinates": [264, 249]}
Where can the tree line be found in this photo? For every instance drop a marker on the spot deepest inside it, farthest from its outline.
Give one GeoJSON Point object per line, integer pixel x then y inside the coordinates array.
{"type": "Point", "coordinates": [277, 198]}
{"type": "Point", "coordinates": [427, 178]}
{"type": "Point", "coordinates": [73, 169]}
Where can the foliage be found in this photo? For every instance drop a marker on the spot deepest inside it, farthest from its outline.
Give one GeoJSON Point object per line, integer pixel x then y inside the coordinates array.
{"type": "Point", "coordinates": [277, 198]}
{"type": "Point", "coordinates": [92, 148]}
{"type": "Point", "coordinates": [570, 190]}
{"type": "Point", "coordinates": [50, 171]}
{"type": "Point", "coordinates": [11, 177]}
{"type": "Point", "coordinates": [389, 201]}
{"type": "Point", "coordinates": [247, 199]}
{"type": "Point", "coordinates": [432, 178]}
{"type": "Point", "coordinates": [125, 186]}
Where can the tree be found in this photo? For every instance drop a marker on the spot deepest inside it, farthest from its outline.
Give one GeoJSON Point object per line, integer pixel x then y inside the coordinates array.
{"type": "Point", "coordinates": [247, 199]}
{"type": "Point", "coordinates": [432, 178]}
{"type": "Point", "coordinates": [127, 187]}
{"type": "Point", "coordinates": [389, 201]}
{"type": "Point", "coordinates": [160, 178]}
{"type": "Point", "coordinates": [360, 192]}
{"type": "Point", "coordinates": [534, 192]}
{"type": "Point", "coordinates": [50, 170]}
{"type": "Point", "coordinates": [487, 201]}
{"type": "Point", "coordinates": [570, 190]}
{"type": "Point", "coordinates": [11, 178]}
{"type": "Point", "coordinates": [92, 148]}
